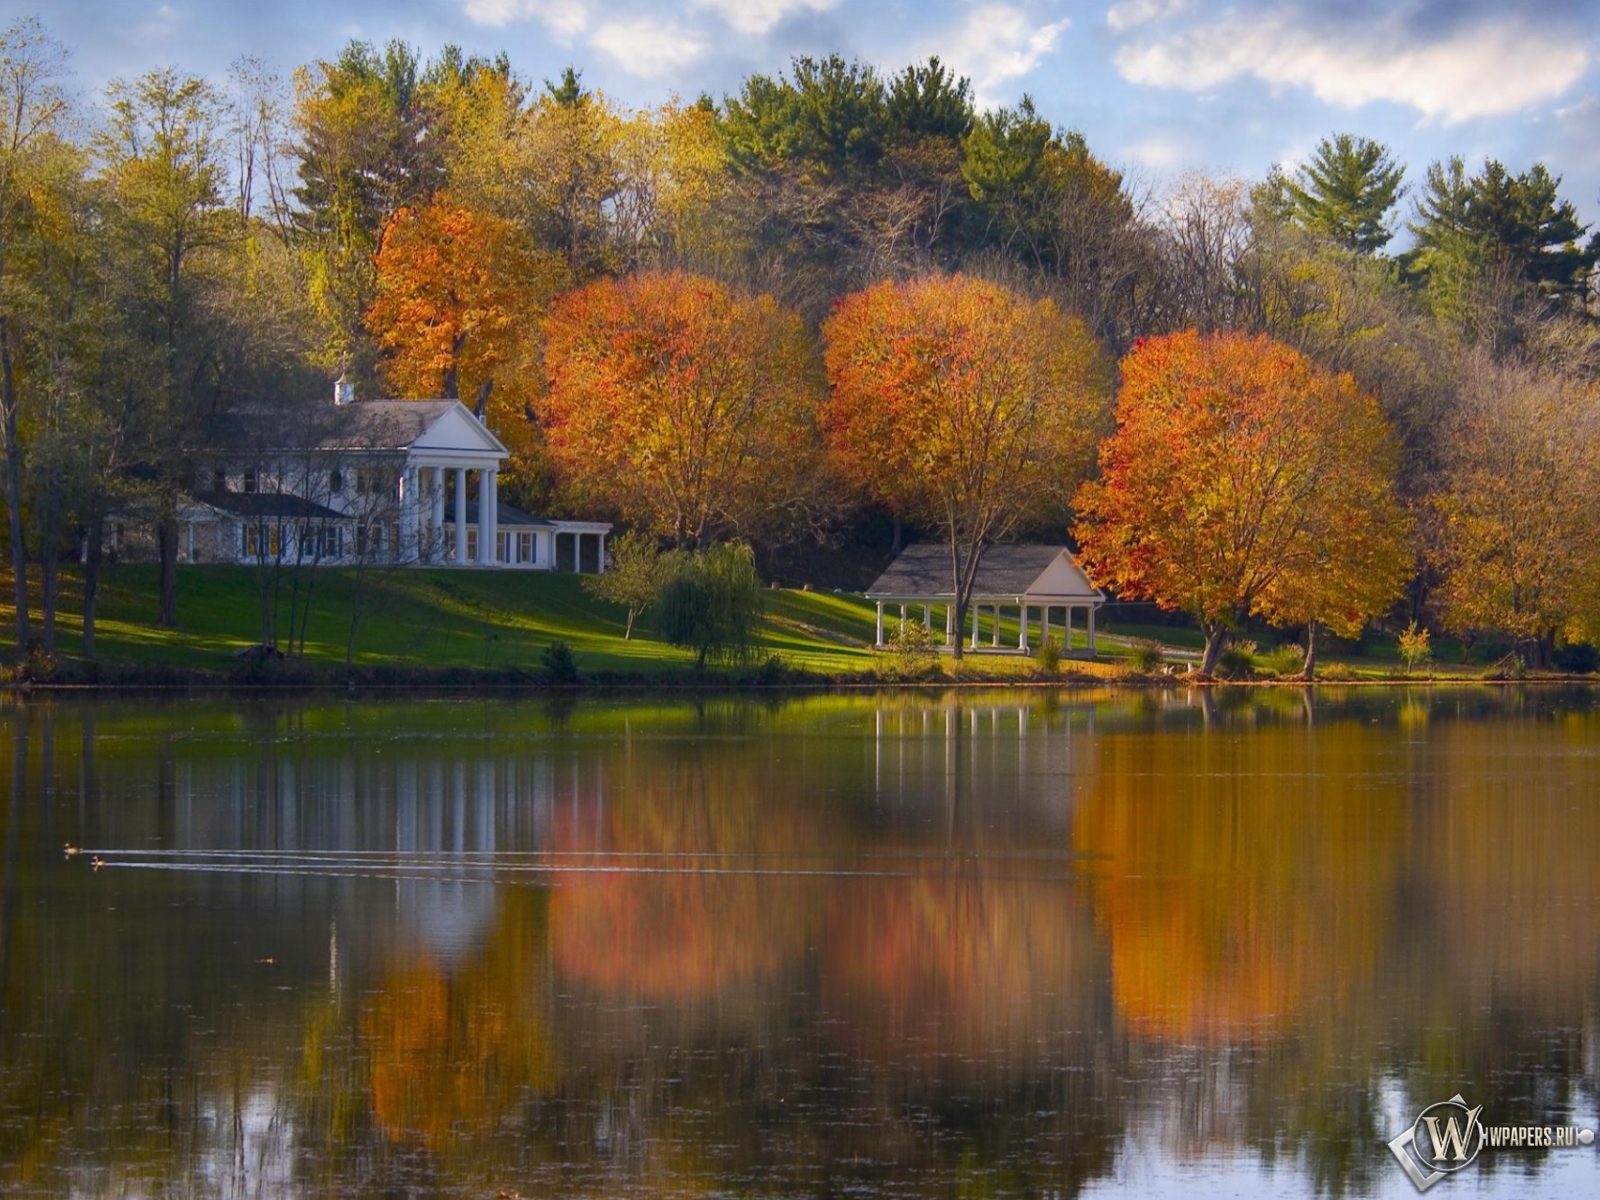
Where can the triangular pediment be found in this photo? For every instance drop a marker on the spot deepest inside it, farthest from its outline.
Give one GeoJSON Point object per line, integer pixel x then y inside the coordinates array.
{"type": "Point", "coordinates": [457, 429]}
{"type": "Point", "coordinates": [1064, 578]}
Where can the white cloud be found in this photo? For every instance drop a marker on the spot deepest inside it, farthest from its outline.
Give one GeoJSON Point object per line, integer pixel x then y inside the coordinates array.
{"type": "Point", "coordinates": [1161, 153]}
{"type": "Point", "coordinates": [1492, 68]}
{"type": "Point", "coordinates": [645, 47]}
{"type": "Point", "coordinates": [998, 43]}
{"type": "Point", "coordinates": [1128, 13]}
{"type": "Point", "coordinates": [160, 25]}
{"type": "Point", "coordinates": [565, 19]}
{"type": "Point", "coordinates": [758, 16]}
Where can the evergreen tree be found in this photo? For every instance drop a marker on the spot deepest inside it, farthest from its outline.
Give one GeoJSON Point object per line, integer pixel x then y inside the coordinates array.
{"type": "Point", "coordinates": [1346, 191]}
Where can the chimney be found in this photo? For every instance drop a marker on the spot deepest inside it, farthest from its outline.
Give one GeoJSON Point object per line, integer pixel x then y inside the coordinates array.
{"type": "Point", "coordinates": [343, 393]}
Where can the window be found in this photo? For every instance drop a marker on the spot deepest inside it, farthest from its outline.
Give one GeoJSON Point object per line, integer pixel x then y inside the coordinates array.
{"type": "Point", "coordinates": [336, 482]}
{"type": "Point", "coordinates": [251, 483]}
{"type": "Point", "coordinates": [472, 544]}
{"type": "Point", "coordinates": [525, 548]}
{"type": "Point", "coordinates": [502, 546]}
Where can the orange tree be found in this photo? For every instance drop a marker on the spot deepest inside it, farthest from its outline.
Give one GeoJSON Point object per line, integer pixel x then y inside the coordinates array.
{"type": "Point", "coordinates": [684, 405]}
{"type": "Point", "coordinates": [959, 404]}
{"type": "Point", "coordinates": [459, 295]}
{"type": "Point", "coordinates": [1244, 479]}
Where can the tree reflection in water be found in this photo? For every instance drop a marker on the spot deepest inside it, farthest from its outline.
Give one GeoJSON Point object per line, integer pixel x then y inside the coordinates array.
{"type": "Point", "coordinates": [1009, 945]}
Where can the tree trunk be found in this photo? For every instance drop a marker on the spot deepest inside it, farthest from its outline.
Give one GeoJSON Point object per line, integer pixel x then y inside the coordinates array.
{"type": "Point", "coordinates": [48, 578]}
{"type": "Point", "coordinates": [961, 624]}
{"type": "Point", "coordinates": [19, 547]}
{"type": "Point", "coordinates": [167, 544]}
{"type": "Point", "coordinates": [91, 580]}
{"type": "Point", "coordinates": [1309, 671]}
{"type": "Point", "coordinates": [1216, 635]}
{"type": "Point", "coordinates": [627, 633]}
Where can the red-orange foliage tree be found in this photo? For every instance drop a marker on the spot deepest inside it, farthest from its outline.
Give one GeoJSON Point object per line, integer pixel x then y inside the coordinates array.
{"type": "Point", "coordinates": [1245, 479]}
{"type": "Point", "coordinates": [687, 406]}
{"type": "Point", "coordinates": [960, 404]}
{"type": "Point", "coordinates": [459, 298]}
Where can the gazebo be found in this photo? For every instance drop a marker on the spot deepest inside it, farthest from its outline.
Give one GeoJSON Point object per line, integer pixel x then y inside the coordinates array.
{"type": "Point", "coordinates": [1024, 578]}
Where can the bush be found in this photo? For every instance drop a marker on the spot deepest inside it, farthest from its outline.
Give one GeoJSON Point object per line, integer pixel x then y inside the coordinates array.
{"type": "Point", "coordinates": [911, 650]}
{"type": "Point", "coordinates": [1415, 646]}
{"type": "Point", "coordinates": [1285, 660]}
{"type": "Point", "coordinates": [1146, 656]}
{"type": "Point", "coordinates": [1577, 658]}
{"type": "Point", "coordinates": [1237, 661]}
{"type": "Point", "coordinates": [1050, 655]}
{"type": "Point", "coordinates": [559, 665]}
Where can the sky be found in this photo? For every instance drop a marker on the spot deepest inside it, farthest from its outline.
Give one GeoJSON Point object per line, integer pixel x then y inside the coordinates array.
{"type": "Point", "coordinates": [1158, 87]}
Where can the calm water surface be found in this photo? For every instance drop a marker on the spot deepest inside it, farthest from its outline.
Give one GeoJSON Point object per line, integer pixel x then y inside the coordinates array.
{"type": "Point", "coordinates": [992, 945]}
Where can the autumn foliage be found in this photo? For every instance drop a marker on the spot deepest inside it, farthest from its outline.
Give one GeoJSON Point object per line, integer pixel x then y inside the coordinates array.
{"type": "Point", "coordinates": [459, 296]}
{"type": "Point", "coordinates": [683, 404]}
{"type": "Point", "coordinates": [961, 405]}
{"type": "Point", "coordinates": [1243, 479]}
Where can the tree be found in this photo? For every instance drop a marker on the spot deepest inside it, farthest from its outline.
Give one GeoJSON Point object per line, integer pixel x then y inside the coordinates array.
{"type": "Point", "coordinates": [634, 577]}
{"type": "Point", "coordinates": [1242, 479]}
{"type": "Point", "coordinates": [712, 603]}
{"type": "Point", "coordinates": [459, 295]}
{"type": "Point", "coordinates": [1346, 191]}
{"type": "Point", "coordinates": [682, 404]}
{"type": "Point", "coordinates": [1515, 532]}
{"type": "Point", "coordinates": [33, 108]}
{"type": "Point", "coordinates": [959, 404]}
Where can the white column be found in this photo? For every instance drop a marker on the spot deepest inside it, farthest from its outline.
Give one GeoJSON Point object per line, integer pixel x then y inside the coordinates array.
{"type": "Point", "coordinates": [436, 520]}
{"type": "Point", "coordinates": [994, 634]}
{"type": "Point", "coordinates": [410, 514]}
{"type": "Point", "coordinates": [1022, 625]}
{"type": "Point", "coordinates": [1091, 631]}
{"type": "Point", "coordinates": [1044, 625]}
{"type": "Point", "coordinates": [975, 608]}
{"type": "Point", "coordinates": [188, 540]}
{"type": "Point", "coordinates": [602, 554]}
{"type": "Point", "coordinates": [927, 616]}
{"type": "Point", "coordinates": [461, 516]}
{"type": "Point", "coordinates": [949, 624]}
{"type": "Point", "coordinates": [486, 517]}
{"type": "Point", "coordinates": [879, 642]}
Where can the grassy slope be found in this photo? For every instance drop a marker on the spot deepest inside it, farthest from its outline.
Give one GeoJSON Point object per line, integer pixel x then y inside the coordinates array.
{"type": "Point", "coordinates": [477, 619]}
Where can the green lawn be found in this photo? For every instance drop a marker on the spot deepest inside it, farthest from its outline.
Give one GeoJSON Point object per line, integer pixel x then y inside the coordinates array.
{"type": "Point", "coordinates": [497, 620]}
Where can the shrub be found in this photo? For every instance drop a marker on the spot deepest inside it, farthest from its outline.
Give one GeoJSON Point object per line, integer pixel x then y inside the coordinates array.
{"type": "Point", "coordinates": [1577, 658]}
{"type": "Point", "coordinates": [1237, 661]}
{"type": "Point", "coordinates": [1050, 655]}
{"type": "Point", "coordinates": [1146, 656]}
{"type": "Point", "coordinates": [1286, 660]}
{"type": "Point", "coordinates": [911, 650]}
{"type": "Point", "coordinates": [559, 665]}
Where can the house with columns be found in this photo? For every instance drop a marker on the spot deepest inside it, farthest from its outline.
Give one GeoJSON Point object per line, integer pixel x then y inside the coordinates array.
{"type": "Point", "coordinates": [1030, 582]}
{"type": "Point", "coordinates": [393, 482]}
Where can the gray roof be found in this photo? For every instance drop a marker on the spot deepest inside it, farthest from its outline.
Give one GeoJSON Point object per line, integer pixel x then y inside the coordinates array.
{"type": "Point", "coordinates": [924, 570]}
{"type": "Point", "coordinates": [384, 424]}
{"type": "Point", "coordinates": [505, 515]}
{"type": "Point", "coordinates": [268, 504]}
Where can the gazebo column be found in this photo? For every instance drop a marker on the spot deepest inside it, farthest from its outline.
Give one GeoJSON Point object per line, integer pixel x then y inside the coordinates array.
{"type": "Point", "coordinates": [994, 632]}
{"type": "Point", "coordinates": [879, 642]}
{"type": "Point", "coordinates": [975, 608]}
{"type": "Point", "coordinates": [949, 624]}
{"type": "Point", "coordinates": [600, 565]}
{"type": "Point", "coordinates": [1022, 628]}
{"type": "Point", "coordinates": [1091, 631]}
{"type": "Point", "coordinates": [461, 516]}
{"type": "Point", "coordinates": [927, 616]}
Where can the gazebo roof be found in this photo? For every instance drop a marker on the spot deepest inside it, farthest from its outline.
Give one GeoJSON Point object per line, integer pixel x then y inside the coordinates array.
{"type": "Point", "coordinates": [1030, 574]}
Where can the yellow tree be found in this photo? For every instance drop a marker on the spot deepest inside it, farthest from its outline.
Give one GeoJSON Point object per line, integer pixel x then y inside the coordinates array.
{"type": "Point", "coordinates": [684, 405]}
{"type": "Point", "coordinates": [1243, 479]}
{"type": "Point", "coordinates": [1516, 528]}
{"type": "Point", "coordinates": [459, 297]}
{"type": "Point", "coordinates": [960, 404]}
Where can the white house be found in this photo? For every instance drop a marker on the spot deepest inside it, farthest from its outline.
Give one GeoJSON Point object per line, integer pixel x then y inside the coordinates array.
{"type": "Point", "coordinates": [380, 481]}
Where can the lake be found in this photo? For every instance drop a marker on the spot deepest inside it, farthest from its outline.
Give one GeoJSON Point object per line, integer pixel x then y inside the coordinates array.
{"type": "Point", "coordinates": [973, 944]}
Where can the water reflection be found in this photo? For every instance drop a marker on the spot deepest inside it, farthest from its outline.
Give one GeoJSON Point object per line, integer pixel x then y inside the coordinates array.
{"type": "Point", "coordinates": [888, 945]}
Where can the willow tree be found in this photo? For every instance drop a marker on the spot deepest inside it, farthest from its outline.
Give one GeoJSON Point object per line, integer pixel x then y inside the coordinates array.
{"type": "Point", "coordinates": [1243, 479]}
{"type": "Point", "coordinates": [963, 406]}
